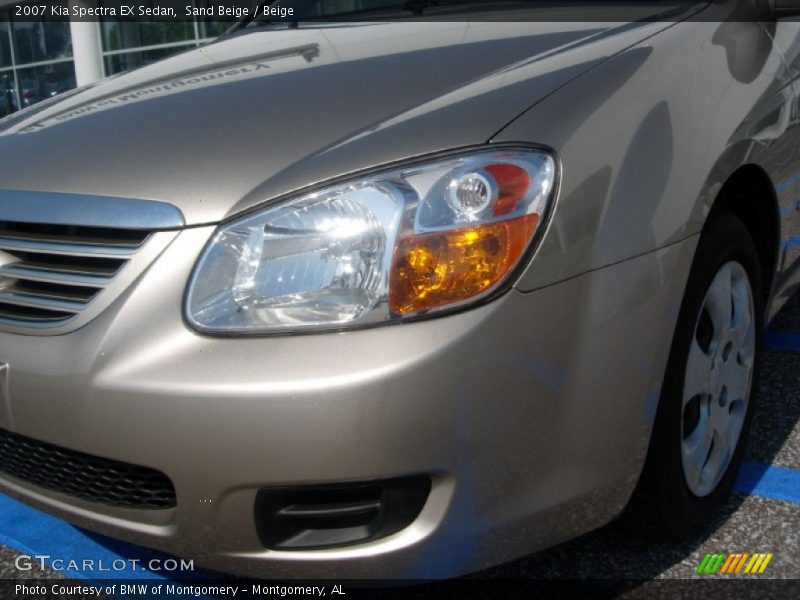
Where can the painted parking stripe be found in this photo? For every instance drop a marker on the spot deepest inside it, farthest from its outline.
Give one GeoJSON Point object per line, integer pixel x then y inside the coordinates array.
{"type": "Point", "coordinates": [770, 481]}
{"type": "Point", "coordinates": [782, 340]}
{"type": "Point", "coordinates": [32, 532]}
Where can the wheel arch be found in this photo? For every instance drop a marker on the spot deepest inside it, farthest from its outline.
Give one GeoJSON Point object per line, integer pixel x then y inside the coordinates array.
{"type": "Point", "coordinates": [750, 194]}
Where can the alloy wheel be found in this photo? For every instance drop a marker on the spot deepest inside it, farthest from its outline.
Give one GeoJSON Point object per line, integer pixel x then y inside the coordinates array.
{"type": "Point", "coordinates": [718, 377]}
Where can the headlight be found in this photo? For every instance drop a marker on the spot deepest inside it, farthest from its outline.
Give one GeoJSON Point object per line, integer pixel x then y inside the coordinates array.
{"type": "Point", "coordinates": [414, 240]}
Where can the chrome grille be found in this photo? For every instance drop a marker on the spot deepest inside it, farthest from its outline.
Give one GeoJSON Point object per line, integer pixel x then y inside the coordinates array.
{"type": "Point", "coordinates": [50, 273]}
{"type": "Point", "coordinates": [64, 258]}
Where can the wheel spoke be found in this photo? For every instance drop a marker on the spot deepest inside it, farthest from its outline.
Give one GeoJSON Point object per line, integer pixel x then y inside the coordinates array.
{"type": "Point", "coordinates": [720, 304]}
{"type": "Point", "coordinates": [720, 455]}
{"type": "Point", "coordinates": [696, 454]}
{"type": "Point", "coordinates": [737, 380]}
{"type": "Point", "coordinates": [742, 329]}
{"type": "Point", "coordinates": [698, 372]}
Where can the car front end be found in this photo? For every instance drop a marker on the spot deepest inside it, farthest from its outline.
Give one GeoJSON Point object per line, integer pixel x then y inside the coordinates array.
{"type": "Point", "coordinates": [339, 424]}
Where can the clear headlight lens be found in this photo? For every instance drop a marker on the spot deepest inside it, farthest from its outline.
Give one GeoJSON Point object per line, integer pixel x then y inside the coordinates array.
{"type": "Point", "coordinates": [401, 243]}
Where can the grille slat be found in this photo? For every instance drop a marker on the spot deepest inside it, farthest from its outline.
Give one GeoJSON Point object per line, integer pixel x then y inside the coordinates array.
{"type": "Point", "coordinates": [73, 234]}
{"type": "Point", "coordinates": [51, 273]}
{"type": "Point", "coordinates": [84, 476]}
{"type": "Point", "coordinates": [52, 302]}
{"type": "Point", "coordinates": [46, 274]}
{"type": "Point", "coordinates": [70, 249]}
{"type": "Point", "coordinates": [14, 314]}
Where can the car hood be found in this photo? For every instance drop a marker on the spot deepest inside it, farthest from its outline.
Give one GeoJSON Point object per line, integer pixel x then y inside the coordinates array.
{"type": "Point", "coordinates": [221, 128]}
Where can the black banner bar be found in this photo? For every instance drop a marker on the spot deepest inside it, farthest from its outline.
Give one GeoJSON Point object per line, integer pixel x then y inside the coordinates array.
{"type": "Point", "coordinates": [711, 588]}
{"type": "Point", "coordinates": [291, 12]}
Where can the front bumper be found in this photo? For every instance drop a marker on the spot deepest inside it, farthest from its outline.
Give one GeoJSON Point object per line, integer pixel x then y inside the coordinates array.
{"type": "Point", "coordinates": [531, 414]}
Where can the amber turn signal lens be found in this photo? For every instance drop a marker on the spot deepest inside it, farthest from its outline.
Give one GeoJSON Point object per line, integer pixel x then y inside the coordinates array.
{"type": "Point", "coordinates": [446, 267]}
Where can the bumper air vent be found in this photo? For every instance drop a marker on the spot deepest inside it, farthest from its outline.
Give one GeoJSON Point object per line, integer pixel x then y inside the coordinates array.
{"type": "Point", "coordinates": [333, 516]}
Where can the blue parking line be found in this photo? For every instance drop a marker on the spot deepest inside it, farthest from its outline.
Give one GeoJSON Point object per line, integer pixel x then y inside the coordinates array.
{"type": "Point", "coordinates": [769, 481]}
{"type": "Point", "coordinates": [36, 534]}
{"type": "Point", "coordinates": [782, 340]}
{"type": "Point", "coordinates": [32, 532]}
{"type": "Point", "coordinates": [788, 183]}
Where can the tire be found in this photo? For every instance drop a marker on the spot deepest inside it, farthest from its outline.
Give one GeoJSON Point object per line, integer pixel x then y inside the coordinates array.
{"type": "Point", "coordinates": [679, 491]}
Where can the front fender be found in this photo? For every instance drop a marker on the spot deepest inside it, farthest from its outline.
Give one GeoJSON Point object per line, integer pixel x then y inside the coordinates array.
{"type": "Point", "coordinates": [647, 139]}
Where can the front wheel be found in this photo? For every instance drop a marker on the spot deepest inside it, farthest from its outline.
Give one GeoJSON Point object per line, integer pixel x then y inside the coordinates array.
{"type": "Point", "coordinates": [708, 392]}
